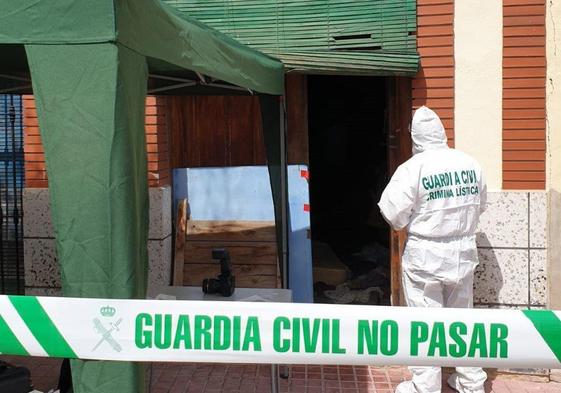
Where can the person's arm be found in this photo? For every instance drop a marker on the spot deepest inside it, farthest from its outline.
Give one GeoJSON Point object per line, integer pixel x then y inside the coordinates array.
{"type": "Point", "coordinates": [398, 198]}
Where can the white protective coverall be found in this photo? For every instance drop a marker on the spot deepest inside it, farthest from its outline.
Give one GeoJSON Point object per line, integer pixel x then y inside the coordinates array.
{"type": "Point", "coordinates": [438, 195]}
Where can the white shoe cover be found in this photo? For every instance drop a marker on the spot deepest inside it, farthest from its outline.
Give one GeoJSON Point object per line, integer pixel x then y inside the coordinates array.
{"type": "Point", "coordinates": [454, 383]}
{"type": "Point", "coordinates": [406, 387]}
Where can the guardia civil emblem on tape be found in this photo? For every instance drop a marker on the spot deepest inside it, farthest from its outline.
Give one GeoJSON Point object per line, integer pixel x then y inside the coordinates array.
{"type": "Point", "coordinates": [106, 331]}
{"type": "Point", "coordinates": [285, 333]}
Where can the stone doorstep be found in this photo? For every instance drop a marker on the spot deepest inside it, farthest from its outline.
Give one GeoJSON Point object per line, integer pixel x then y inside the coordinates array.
{"type": "Point", "coordinates": [555, 375]}
{"type": "Point", "coordinates": [529, 375]}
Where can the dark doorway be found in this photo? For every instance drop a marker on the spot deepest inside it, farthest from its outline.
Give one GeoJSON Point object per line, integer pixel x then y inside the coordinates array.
{"type": "Point", "coordinates": [348, 169]}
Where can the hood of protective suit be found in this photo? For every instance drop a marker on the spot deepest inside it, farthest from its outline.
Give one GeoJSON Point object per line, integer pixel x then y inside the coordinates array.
{"type": "Point", "coordinates": [427, 131]}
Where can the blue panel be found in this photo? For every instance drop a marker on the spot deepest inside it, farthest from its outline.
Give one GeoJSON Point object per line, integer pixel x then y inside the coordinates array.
{"type": "Point", "coordinates": [234, 193]}
{"type": "Point", "coordinates": [299, 244]}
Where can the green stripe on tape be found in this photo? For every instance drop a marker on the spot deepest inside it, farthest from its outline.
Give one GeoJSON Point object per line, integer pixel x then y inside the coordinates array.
{"type": "Point", "coordinates": [9, 343]}
{"type": "Point", "coordinates": [549, 327]}
{"type": "Point", "coordinates": [42, 327]}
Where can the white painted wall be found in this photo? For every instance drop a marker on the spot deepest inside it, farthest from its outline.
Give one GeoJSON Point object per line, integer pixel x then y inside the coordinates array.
{"type": "Point", "coordinates": [553, 155]}
{"type": "Point", "coordinates": [478, 45]}
{"type": "Point", "coordinates": [553, 94]}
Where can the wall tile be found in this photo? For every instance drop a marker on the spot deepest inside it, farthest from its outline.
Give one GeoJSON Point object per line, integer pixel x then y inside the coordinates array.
{"type": "Point", "coordinates": [40, 263]}
{"type": "Point", "coordinates": [501, 277]}
{"type": "Point", "coordinates": [499, 306]}
{"type": "Point", "coordinates": [37, 213]}
{"type": "Point", "coordinates": [42, 270]}
{"type": "Point", "coordinates": [160, 213]}
{"type": "Point", "coordinates": [159, 255]}
{"type": "Point", "coordinates": [42, 291]}
{"type": "Point", "coordinates": [538, 277]}
{"type": "Point", "coordinates": [538, 219]}
{"type": "Point", "coordinates": [505, 222]}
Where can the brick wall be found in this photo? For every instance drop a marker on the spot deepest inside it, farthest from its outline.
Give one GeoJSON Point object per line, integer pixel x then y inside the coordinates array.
{"type": "Point", "coordinates": [434, 84]}
{"type": "Point", "coordinates": [35, 172]}
{"type": "Point", "coordinates": [524, 71]}
{"type": "Point", "coordinates": [156, 144]}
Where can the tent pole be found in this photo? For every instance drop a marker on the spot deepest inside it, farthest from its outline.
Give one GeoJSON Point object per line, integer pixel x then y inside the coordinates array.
{"type": "Point", "coordinates": [284, 192]}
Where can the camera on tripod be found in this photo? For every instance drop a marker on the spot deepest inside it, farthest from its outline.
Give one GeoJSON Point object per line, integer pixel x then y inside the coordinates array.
{"type": "Point", "coordinates": [225, 283]}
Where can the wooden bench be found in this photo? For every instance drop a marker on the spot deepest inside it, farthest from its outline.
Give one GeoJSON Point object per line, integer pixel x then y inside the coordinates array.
{"type": "Point", "coordinates": [251, 244]}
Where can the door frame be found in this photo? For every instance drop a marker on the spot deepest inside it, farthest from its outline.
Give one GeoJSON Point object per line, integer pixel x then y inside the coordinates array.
{"type": "Point", "coordinates": [398, 118]}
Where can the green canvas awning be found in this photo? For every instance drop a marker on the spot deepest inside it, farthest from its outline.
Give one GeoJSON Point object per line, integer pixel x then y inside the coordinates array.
{"type": "Point", "coordinates": [171, 41]}
{"type": "Point", "coordinates": [350, 37]}
{"type": "Point", "coordinates": [88, 64]}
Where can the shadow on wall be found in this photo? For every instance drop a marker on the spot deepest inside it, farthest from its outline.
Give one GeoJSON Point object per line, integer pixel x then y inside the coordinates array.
{"type": "Point", "coordinates": [488, 279]}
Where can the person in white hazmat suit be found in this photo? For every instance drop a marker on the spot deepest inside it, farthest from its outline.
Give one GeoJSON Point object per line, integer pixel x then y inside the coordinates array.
{"type": "Point", "coordinates": [438, 195]}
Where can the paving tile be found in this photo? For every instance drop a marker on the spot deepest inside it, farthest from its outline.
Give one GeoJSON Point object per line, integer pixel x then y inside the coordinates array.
{"type": "Point", "coordinates": [364, 378]}
{"type": "Point", "coordinates": [314, 382]}
{"type": "Point", "coordinates": [348, 385]}
{"type": "Point", "coordinates": [298, 382]}
{"type": "Point", "coordinates": [347, 377]}
{"type": "Point", "coordinates": [159, 390]}
{"type": "Point", "coordinates": [379, 378]}
{"type": "Point", "coordinates": [193, 389]}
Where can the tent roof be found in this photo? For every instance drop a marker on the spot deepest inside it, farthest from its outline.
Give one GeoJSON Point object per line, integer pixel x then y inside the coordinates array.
{"type": "Point", "coordinates": [174, 44]}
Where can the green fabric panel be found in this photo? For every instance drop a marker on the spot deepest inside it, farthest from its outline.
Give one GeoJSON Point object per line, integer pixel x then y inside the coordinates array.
{"type": "Point", "coordinates": [318, 36]}
{"type": "Point", "coordinates": [108, 377]}
{"type": "Point", "coordinates": [41, 326]}
{"type": "Point", "coordinates": [56, 21]}
{"type": "Point", "coordinates": [158, 31]}
{"type": "Point", "coordinates": [271, 124]}
{"type": "Point", "coordinates": [90, 103]}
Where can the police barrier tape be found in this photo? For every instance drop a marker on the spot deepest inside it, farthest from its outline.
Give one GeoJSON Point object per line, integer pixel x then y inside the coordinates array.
{"type": "Point", "coordinates": [285, 333]}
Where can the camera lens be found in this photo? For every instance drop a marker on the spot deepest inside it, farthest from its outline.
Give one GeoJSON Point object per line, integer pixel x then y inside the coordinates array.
{"type": "Point", "coordinates": [211, 285]}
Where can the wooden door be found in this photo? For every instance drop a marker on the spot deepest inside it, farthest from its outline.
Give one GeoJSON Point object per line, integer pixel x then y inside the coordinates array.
{"type": "Point", "coordinates": [398, 115]}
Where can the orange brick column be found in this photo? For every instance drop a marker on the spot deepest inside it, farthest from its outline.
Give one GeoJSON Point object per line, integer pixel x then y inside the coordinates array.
{"type": "Point", "coordinates": [434, 84]}
{"type": "Point", "coordinates": [524, 72]}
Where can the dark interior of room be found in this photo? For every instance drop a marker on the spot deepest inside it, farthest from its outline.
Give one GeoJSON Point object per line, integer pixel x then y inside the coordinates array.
{"type": "Point", "coordinates": [348, 171]}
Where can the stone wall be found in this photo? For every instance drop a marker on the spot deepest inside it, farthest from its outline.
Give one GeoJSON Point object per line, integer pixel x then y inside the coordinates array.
{"type": "Point", "coordinates": [512, 251]}
{"type": "Point", "coordinates": [42, 275]}
{"type": "Point", "coordinates": [511, 240]}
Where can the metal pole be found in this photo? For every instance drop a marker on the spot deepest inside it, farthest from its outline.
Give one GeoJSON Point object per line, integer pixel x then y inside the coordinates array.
{"type": "Point", "coordinates": [2, 268]}
{"type": "Point", "coordinates": [284, 194]}
{"type": "Point", "coordinates": [274, 378]}
{"type": "Point", "coordinates": [15, 193]}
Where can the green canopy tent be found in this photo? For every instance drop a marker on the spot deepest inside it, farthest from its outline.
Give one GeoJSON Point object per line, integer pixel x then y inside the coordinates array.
{"type": "Point", "coordinates": [89, 65]}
